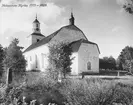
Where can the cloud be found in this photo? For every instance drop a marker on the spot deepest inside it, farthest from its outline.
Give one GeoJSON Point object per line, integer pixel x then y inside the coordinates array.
{"type": "Point", "coordinates": [21, 18]}
{"type": "Point", "coordinates": [121, 2]}
{"type": "Point", "coordinates": [90, 1]}
{"type": "Point", "coordinates": [117, 29]}
{"type": "Point", "coordinates": [18, 19]}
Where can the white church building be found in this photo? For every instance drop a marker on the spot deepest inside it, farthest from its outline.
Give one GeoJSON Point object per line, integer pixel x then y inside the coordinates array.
{"type": "Point", "coordinates": [85, 53]}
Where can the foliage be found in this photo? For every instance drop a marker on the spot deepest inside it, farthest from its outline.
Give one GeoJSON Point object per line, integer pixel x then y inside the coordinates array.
{"type": "Point", "coordinates": [119, 64]}
{"type": "Point", "coordinates": [39, 88]}
{"type": "Point", "coordinates": [107, 63]}
{"type": "Point", "coordinates": [1, 59]}
{"type": "Point", "coordinates": [126, 58]}
{"type": "Point", "coordinates": [14, 58]}
{"type": "Point", "coordinates": [59, 59]}
{"type": "Point", "coordinates": [96, 92]}
{"type": "Point", "coordinates": [88, 91]}
{"type": "Point", "coordinates": [128, 6]}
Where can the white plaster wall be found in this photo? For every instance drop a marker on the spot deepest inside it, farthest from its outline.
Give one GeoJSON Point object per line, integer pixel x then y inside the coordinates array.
{"type": "Point", "coordinates": [67, 35]}
{"type": "Point", "coordinates": [88, 52]}
{"type": "Point", "coordinates": [74, 66]}
{"type": "Point", "coordinates": [37, 56]}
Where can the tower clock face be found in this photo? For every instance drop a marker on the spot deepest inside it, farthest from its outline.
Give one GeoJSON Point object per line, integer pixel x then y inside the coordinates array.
{"type": "Point", "coordinates": [37, 29]}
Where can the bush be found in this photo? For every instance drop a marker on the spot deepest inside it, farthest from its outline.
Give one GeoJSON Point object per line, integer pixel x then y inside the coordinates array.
{"type": "Point", "coordinates": [96, 92]}
{"type": "Point", "coordinates": [87, 91]}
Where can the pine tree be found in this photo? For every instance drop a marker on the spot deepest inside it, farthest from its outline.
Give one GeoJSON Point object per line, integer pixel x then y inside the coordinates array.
{"type": "Point", "coordinates": [1, 59]}
{"type": "Point", "coordinates": [14, 58]}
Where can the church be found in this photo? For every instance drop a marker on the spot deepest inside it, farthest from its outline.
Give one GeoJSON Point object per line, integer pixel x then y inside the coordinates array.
{"type": "Point", "coordinates": [85, 52]}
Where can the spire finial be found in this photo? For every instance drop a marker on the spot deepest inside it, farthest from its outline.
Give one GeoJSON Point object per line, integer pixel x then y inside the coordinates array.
{"type": "Point", "coordinates": [71, 12]}
{"type": "Point", "coordinates": [36, 15]}
{"type": "Point", "coordinates": [71, 20]}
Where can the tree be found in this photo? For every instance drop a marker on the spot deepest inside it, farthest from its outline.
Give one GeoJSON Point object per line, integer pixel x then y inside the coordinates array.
{"type": "Point", "coordinates": [14, 58]}
{"type": "Point", "coordinates": [126, 58]}
{"type": "Point", "coordinates": [1, 59]}
{"type": "Point", "coordinates": [59, 59]}
{"type": "Point", "coordinates": [119, 65]}
{"type": "Point", "coordinates": [107, 63]}
{"type": "Point", "coordinates": [112, 63]}
{"type": "Point", "coordinates": [128, 6]}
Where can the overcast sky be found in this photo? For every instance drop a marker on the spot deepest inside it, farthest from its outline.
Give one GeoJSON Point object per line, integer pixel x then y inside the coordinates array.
{"type": "Point", "coordinates": [102, 21]}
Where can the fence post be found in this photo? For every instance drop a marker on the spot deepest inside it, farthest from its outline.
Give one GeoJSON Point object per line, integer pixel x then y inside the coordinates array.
{"type": "Point", "coordinates": [7, 76]}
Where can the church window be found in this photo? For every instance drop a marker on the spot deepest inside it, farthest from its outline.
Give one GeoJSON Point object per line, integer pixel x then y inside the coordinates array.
{"type": "Point", "coordinates": [30, 58]}
{"type": "Point", "coordinates": [37, 40]}
{"type": "Point", "coordinates": [89, 65]}
{"type": "Point", "coordinates": [36, 61]}
{"type": "Point", "coordinates": [42, 60]}
{"type": "Point", "coordinates": [36, 25]}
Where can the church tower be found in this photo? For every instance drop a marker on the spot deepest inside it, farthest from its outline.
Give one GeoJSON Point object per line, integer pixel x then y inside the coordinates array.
{"type": "Point", "coordinates": [36, 36]}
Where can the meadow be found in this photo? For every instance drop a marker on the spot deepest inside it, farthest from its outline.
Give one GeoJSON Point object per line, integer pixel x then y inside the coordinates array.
{"type": "Point", "coordinates": [38, 89]}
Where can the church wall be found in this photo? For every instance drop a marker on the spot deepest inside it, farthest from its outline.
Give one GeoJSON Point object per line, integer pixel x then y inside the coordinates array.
{"type": "Point", "coordinates": [74, 66]}
{"type": "Point", "coordinates": [37, 58]}
{"type": "Point", "coordinates": [88, 58]}
{"type": "Point", "coordinates": [68, 35]}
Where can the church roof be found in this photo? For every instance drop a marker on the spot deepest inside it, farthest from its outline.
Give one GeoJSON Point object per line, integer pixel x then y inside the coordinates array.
{"type": "Point", "coordinates": [48, 38]}
{"type": "Point", "coordinates": [36, 21]}
{"type": "Point", "coordinates": [76, 44]}
{"type": "Point", "coordinates": [41, 42]}
{"type": "Point", "coordinates": [39, 34]}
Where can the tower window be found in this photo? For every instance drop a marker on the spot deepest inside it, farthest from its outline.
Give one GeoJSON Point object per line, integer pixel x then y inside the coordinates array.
{"type": "Point", "coordinates": [37, 25]}
{"type": "Point", "coordinates": [89, 65]}
{"type": "Point", "coordinates": [38, 40]}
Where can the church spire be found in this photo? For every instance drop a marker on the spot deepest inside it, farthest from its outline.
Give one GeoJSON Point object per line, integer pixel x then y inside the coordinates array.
{"type": "Point", "coordinates": [71, 20]}
{"type": "Point", "coordinates": [36, 26]}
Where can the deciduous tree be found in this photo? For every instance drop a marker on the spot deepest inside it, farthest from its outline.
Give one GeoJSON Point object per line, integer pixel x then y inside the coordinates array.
{"type": "Point", "coordinates": [128, 6]}
{"type": "Point", "coordinates": [59, 59]}
{"type": "Point", "coordinates": [126, 58]}
{"type": "Point", "coordinates": [107, 63]}
{"type": "Point", "coordinates": [14, 58]}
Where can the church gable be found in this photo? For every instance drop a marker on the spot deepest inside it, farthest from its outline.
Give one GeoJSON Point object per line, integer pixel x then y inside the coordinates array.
{"type": "Point", "coordinates": [88, 56]}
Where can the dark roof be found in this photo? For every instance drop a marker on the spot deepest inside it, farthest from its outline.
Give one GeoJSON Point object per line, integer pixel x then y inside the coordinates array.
{"type": "Point", "coordinates": [76, 44]}
{"type": "Point", "coordinates": [48, 38]}
{"type": "Point", "coordinates": [39, 34]}
{"type": "Point", "coordinates": [36, 21]}
{"type": "Point", "coordinates": [41, 42]}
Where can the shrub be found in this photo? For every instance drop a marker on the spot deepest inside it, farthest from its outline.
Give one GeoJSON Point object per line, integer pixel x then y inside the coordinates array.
{"type": "Point", "coordinates": [96, 92]}
{"type": "Point", "coordinates": [87, 91]}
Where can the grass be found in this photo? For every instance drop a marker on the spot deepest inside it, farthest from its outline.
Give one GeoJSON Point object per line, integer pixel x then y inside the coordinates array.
{"type": "Point", "coordinates": [73, 91]}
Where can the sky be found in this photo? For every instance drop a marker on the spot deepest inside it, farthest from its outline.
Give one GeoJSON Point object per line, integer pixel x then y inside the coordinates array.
{"type": "Point", "coordinates": [103, 21]}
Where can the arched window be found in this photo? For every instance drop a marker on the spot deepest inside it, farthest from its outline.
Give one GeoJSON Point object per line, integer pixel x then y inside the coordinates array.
{"type": "Point", "coordinates": [30, 58]}
{"type": "Point", "coordinates": [36, 61]}
{"type": "Point", "coordinates": [89, 65]}
{"type": "Point", "coordinates": [42, 60]}
{"type": "Point", "coordinates": [37, 25]}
